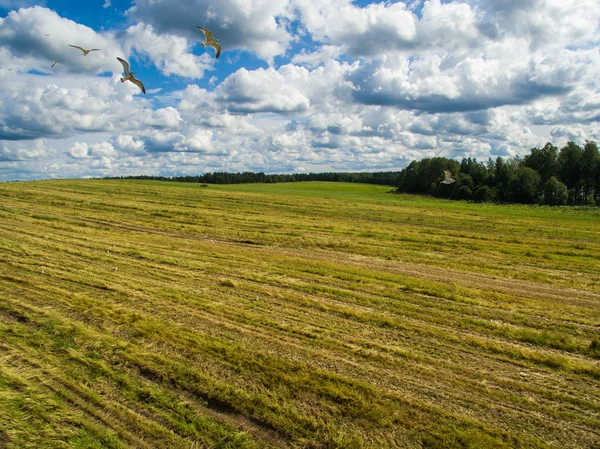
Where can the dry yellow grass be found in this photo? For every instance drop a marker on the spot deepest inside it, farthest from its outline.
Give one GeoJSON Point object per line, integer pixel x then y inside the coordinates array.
{"type": "Point", "coordinates": [308, 315]}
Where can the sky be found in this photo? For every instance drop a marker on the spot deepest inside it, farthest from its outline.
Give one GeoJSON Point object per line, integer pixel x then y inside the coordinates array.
{"type": "Point", "coordinates": [300, 86]}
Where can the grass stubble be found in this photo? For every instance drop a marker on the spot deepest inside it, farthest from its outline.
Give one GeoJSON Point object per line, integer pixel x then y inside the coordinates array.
{"type": "Point", "coordinates": [308, 315]}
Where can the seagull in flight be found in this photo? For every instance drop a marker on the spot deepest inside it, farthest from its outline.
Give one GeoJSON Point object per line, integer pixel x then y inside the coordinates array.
{"type": "Point", "coordinates": [129, 75]}
{"type": "Point", "coordinates": [448, 179]}
{"type": "Point", "coordinates": [85, 52]}
{"type": "Point", "coordinates": [54, 64]}
{"type": "Point", "coordinates": [210, 40]}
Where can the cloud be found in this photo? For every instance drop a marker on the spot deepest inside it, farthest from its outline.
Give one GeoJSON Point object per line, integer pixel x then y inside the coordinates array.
{"type": "Point", "coordinates": [364, 31]}
{"type": "Point", "coordinates": [459, 27]}
{"type": "Point", "coordinates": [22, 151]}
{"type": "Point", "coordinates": [542, 23]}
{"type": "Point", "coordinates": [101, 150]}
{"type": "Point", "coordinates": [434, 85]}
{"type": "Point", "coordinates": [35, 108]}
{"type": "Point", "coordinates": [323, 55]}
{"type": "Point", "coordinates": [258, 27]}
{"type": "Point", "coordinates": [566, 133]}
{"type": "Point", "coordinates": [387, 28]}
{"type": "Point", "coordinates": [263, 90]}
{"type": "Point", "coordinates": [171, 54]}
{"type": "Point", "coordinates": [34, 38]}
{"type": "Point", "coordinates": [128, 144]}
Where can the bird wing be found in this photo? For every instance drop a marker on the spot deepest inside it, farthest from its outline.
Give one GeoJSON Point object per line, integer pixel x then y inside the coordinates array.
{"type": "Point", "coordinates": [217, 47]}
{"type": "Point", "coordinates": [125, 65]}
{"type": "Point", "coordinates": [94, 49]}
{"type": "Point", "coordinates": [78, 47]}
{"type": "Point", "coordinates": [138, 83]}
{"type": "Point", "coordinates": [207, 34]}
{"type": "Point", "coordinates": [54, 63]}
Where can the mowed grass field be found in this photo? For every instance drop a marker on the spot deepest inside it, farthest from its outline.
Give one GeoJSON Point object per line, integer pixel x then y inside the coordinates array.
{"type": "Point", "coordinates": [139, 314]}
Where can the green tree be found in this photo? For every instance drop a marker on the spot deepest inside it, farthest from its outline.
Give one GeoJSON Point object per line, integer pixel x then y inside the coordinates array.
{"type": "Point", "coordinates": [504, 174]}
{"type": "Point", "coordinates": [425, 176]}
{"type": "Point", "coordinates": [555, 192]}
{"type": "Point", "coordinates": [570, 168]}
{"type": "Point", "coordinates": [432, 172]}
{"type": "Point", "coordinates": [524, 187]}
{"type": "Point", "coordinates": [483, 194]}
{"type": "Point", "coordinates": [476, 170]}
{"type": "Point", "coordinates": [464, 193]}
{"type": "Point", "coordinates": [463, 180]}
{"type": "Point", "coordinates": [407, 181]}
{"type": "Point", "coordinates": [590, 164]}
{"type": "Point", "coordinates": [544, 161]}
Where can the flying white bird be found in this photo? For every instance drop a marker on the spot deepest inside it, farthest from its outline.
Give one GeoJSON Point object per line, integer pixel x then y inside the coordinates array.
{"type": "Point", "coordinates": [85, 52]}
{"type": "Point", "coordinates": [210, 40]}
{"type": "Point", "coordinates": [129, 75]}
{"type": "Point", "coordinates": [448, 179]}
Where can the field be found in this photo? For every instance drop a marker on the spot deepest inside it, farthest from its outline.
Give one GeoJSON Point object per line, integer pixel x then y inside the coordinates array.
{"type": "Point", "coordinates": [139, 314]}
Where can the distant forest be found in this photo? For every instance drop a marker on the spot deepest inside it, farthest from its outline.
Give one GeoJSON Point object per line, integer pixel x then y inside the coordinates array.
{"type": "Point", "coordinates": [383, 178]}
{"type": "Point", "coordinates": [546, 175]}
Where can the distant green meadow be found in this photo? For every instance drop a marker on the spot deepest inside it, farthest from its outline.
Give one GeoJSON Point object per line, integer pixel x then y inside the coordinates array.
{"type": "Point", "coordinates": [148, 314]}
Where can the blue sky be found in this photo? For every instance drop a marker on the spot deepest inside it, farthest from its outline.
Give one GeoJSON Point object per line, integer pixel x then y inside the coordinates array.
{"type": "Point", "coordinates": [301, 85]}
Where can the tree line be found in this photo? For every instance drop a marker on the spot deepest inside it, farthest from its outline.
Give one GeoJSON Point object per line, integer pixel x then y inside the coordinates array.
{"type": "Point", "coordinates": [382, 178]}
{"type": "Point", "coordinates": [546, 175]}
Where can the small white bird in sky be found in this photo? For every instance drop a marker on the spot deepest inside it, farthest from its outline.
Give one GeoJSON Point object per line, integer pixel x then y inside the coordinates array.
{"type": "Point", "coordinates": [210, 40]}
{"type": "Point", "coordinates": [129, 75]}
{"type": "Point", "coordinates": [448, 179]}
{"type": "Point", "coordinates": [85, 52]}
